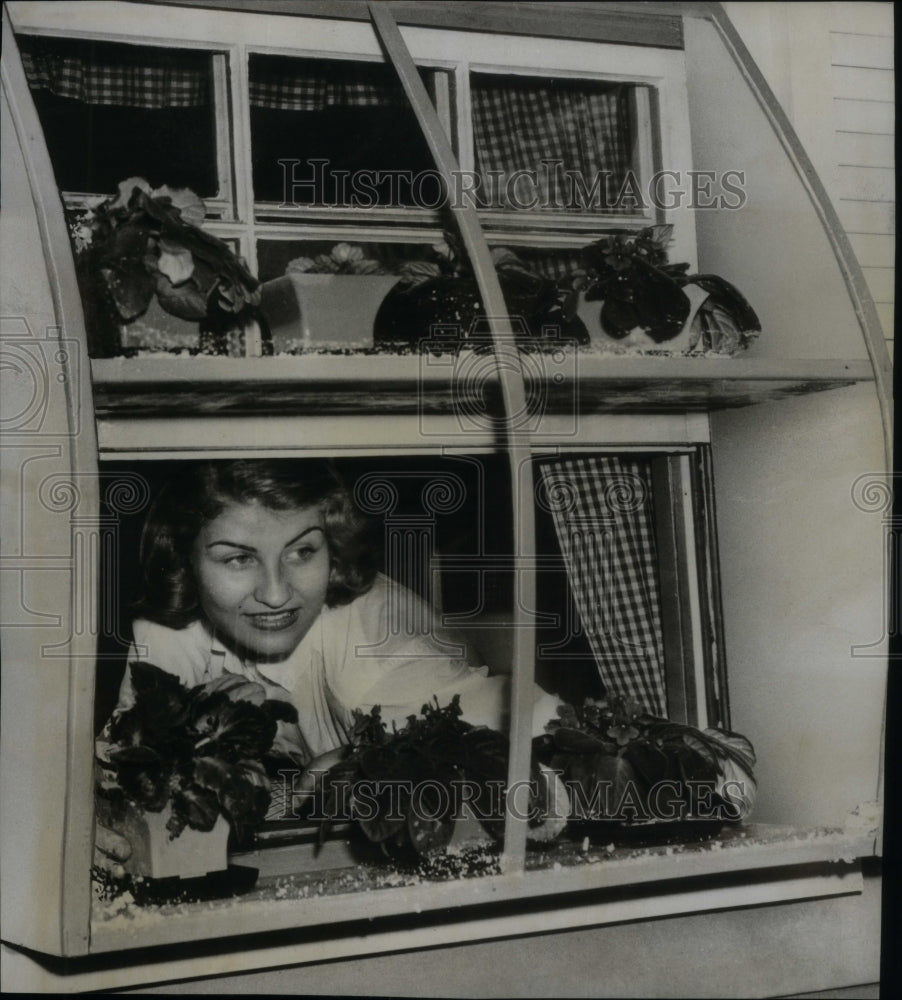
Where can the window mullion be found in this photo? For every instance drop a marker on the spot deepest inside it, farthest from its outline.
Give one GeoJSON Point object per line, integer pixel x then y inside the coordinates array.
{"type": "Point", "coordinates": [513, 392]}
{"type": "Point", "coordinates": [672, 557]}
{"type": "Point", "coordinates": [466, 153]}
{"type": "Point", "coordinates": [241, 149]}
{"type": "Point", "coordinates": [441, 96]}
{"type": "Point", "coordinates": [243, 173]}
{"type": "Point", "coordinates": [224, 151]}
{"type": "Point", "coordinates": [644, 152]}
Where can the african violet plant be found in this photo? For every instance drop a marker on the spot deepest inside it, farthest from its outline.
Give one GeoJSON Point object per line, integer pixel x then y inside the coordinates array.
{"type": "Point", "coordinates": [406, 788]}
{"type": "Point", "coordinates": [344, 258]}
{"type": "Point", "coordinates": [612, 764]}
{"type": "Point", "coordinates": [401, 787]}
{"type": "Point", "coordinates": [202, 749]}
{"type": "Point", "coordinates": [442, 292]}
{"type": "Point", "coordinates": [147, 243]}
{"type": "Point", "coordinates": [624, 765]}
{"type": "Point", "coordinates": [638, 288]}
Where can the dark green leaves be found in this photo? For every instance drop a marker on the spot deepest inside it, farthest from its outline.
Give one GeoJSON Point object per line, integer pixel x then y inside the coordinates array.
{"type": "Point", "coordinates": [402, 784]}
{"type": "Point", "coordinates": [639, 289]}
{"type": "Point", "coordinates": [616, 760]}
{"type": "Point", "coordinates": [199, 748]}
{"type": "Point", "coordinates": [146, 243]}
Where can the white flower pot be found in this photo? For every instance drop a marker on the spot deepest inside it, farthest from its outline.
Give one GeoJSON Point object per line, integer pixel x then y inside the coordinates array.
{"type": "Point", "coordinates": [156, 855]}
{"type": "Point", "coordinates": [637, 341]}
{"type": "Point", "coordinates": [311, 311]}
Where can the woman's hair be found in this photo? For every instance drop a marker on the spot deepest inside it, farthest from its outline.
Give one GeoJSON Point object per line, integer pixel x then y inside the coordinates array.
{"type": "Point", "coordinates": [201, 491]}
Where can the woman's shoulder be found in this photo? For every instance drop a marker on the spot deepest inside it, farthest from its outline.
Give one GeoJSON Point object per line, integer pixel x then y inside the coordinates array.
{"type": "Point", "coordinates": [369, 612]}
{"type": "Point", "coordinates": [184, 651]}
{"type": "Point", "coordinates": [195, 634]}
{"type": "Point", "coordinates": [383, 590]}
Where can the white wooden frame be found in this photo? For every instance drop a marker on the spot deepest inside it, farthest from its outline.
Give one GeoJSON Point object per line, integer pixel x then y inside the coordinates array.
{"type": "Point", "coordinates": [457, 51]}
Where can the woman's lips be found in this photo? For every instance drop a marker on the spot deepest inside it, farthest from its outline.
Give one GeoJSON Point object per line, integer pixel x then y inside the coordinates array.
{"type": "Point", "coordinates": [274, 621]}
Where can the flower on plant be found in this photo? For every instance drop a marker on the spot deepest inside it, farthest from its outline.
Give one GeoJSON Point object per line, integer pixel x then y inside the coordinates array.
{"type": "Point", "coordinates": [623, 733]}
{"type": "Point", "coordinates": [612, 741]}
{"type": "Point", "coordinates": [343, 258]}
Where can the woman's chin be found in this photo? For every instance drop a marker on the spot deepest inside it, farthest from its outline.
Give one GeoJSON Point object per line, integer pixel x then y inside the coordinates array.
{"type": "Point", "coordinates": [269, 646]}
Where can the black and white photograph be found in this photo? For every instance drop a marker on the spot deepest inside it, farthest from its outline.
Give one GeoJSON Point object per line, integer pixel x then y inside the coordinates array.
{"type": "Point", "coordinates": [447, 539]}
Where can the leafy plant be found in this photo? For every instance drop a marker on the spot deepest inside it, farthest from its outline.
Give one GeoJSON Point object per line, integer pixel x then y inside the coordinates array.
{"type": "Point", "coordinates": [201, 749]}
{"type": "Point", "coordinates": [622, 759]}
{"type": "Point", "coordinates": [441, 291]}
{"type": "Point", "coordinates": [639, 288]}
{"type": "Point", "coordinates": [344, 258]}
{"type": "Point", "coordinates": [144, 243]}
{"type": "Point", "coordinates": [400, 786]}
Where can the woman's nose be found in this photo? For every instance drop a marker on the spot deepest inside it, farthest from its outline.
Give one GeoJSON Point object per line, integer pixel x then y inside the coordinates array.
{"type": "Point", "coordinates": [273, 587]}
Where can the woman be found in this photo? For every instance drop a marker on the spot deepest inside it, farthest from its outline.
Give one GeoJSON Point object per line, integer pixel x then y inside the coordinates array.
{"type": "Point", "coordinates": [261, 568]}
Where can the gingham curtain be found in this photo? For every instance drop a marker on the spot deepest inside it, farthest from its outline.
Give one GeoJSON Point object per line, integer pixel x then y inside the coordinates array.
{"type": "Point", "coordinates": [99, 73]}
{"type": "Point", "coordinates": [602, 511]}
{"type": "Point", "coordinates": [288, 85]}
{"type": "Point", "coordinates": [163, 78]}
{"type": "Point", "coordinates": [519, 123]}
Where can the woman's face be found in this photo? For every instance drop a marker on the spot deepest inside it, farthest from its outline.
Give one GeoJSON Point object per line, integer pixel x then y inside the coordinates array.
{"type": "Point", "coordinates": [262, 576]}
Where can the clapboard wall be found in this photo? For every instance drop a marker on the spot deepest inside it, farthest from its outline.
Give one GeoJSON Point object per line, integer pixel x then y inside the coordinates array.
{"type": "Point", "coordinates": [831, 67]}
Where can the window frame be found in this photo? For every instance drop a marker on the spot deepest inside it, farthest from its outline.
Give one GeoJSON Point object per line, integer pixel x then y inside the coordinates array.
{"type": "Point", "coordinates": [679, 448]}
{"type": "Point", "coordinates": [235, 213]}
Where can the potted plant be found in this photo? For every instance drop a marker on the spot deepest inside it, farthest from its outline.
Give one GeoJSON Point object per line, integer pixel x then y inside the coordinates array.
{"type": "Point", "coordinates": [628, 770]}
{"type": "Point", "coordinates": [326, 301]}
{"type": "Point", "coordinates": [147, 268]}
{"type": "Point", "coordinates": [184, 765]}
{"type": "Point", "coordinates": [650, 305]}
{"type": "Point", "coordinates": [406, 788]}
{"type": "Point", "coordinates": [436, 304]}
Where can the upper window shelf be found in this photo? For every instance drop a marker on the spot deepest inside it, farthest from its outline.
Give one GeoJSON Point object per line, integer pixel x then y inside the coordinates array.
{"type": "Point", "coordinates": [562, 382]}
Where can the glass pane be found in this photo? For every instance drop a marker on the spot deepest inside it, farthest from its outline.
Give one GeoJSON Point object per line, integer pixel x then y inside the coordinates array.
{"type": "Point", "coordinates": [352, 117]}
{"type": "Point", "coordinates": [552, 144]}
{"type": "Point", "coordinates": [111, 111]}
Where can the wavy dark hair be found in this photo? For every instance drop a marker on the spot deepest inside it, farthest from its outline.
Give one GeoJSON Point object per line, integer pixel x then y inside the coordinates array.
{"type": "Point", "coordinates": [200, 492]}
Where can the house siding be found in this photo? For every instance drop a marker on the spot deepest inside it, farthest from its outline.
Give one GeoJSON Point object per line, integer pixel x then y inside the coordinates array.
{"type": "Point", "coordinates": [831, 67]}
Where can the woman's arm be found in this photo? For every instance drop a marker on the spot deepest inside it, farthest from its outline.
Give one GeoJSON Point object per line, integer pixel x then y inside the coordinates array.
{"type": "Point", "coordinates": [382, 660]}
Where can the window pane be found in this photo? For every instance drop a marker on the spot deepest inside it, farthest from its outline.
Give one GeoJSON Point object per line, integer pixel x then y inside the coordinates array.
{"type": "Point", "coordinates": [115, 111]}
{"type": "Point", "coordinates": [352, 116]}
{"type": "Point", "coordinates": [546, 143]}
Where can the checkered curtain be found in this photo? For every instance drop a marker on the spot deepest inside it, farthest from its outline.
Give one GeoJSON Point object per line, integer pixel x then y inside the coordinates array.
{"type": "Point", "coordinates": [602, 512]}
{"type": "Point", "coordinates": [125, 76]}
{"type": "Point", "coordinates": [295, 85]}
{"type": "Point", "coordinates": [142, 77]}
{"type": "Point", "coordinates": [518, 123]}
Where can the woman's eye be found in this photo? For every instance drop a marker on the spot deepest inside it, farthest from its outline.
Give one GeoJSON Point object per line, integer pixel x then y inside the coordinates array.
{"type": "Point", "coordinates": [237, 561]}
{"type": "Point", "coordinates": [302, 554]}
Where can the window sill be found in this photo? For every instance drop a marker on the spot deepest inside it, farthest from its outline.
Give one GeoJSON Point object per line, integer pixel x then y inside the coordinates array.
{"type": "Point", "coordinates": [383, 383]}
{"type": "Point", "coordinates": [748, 865]}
